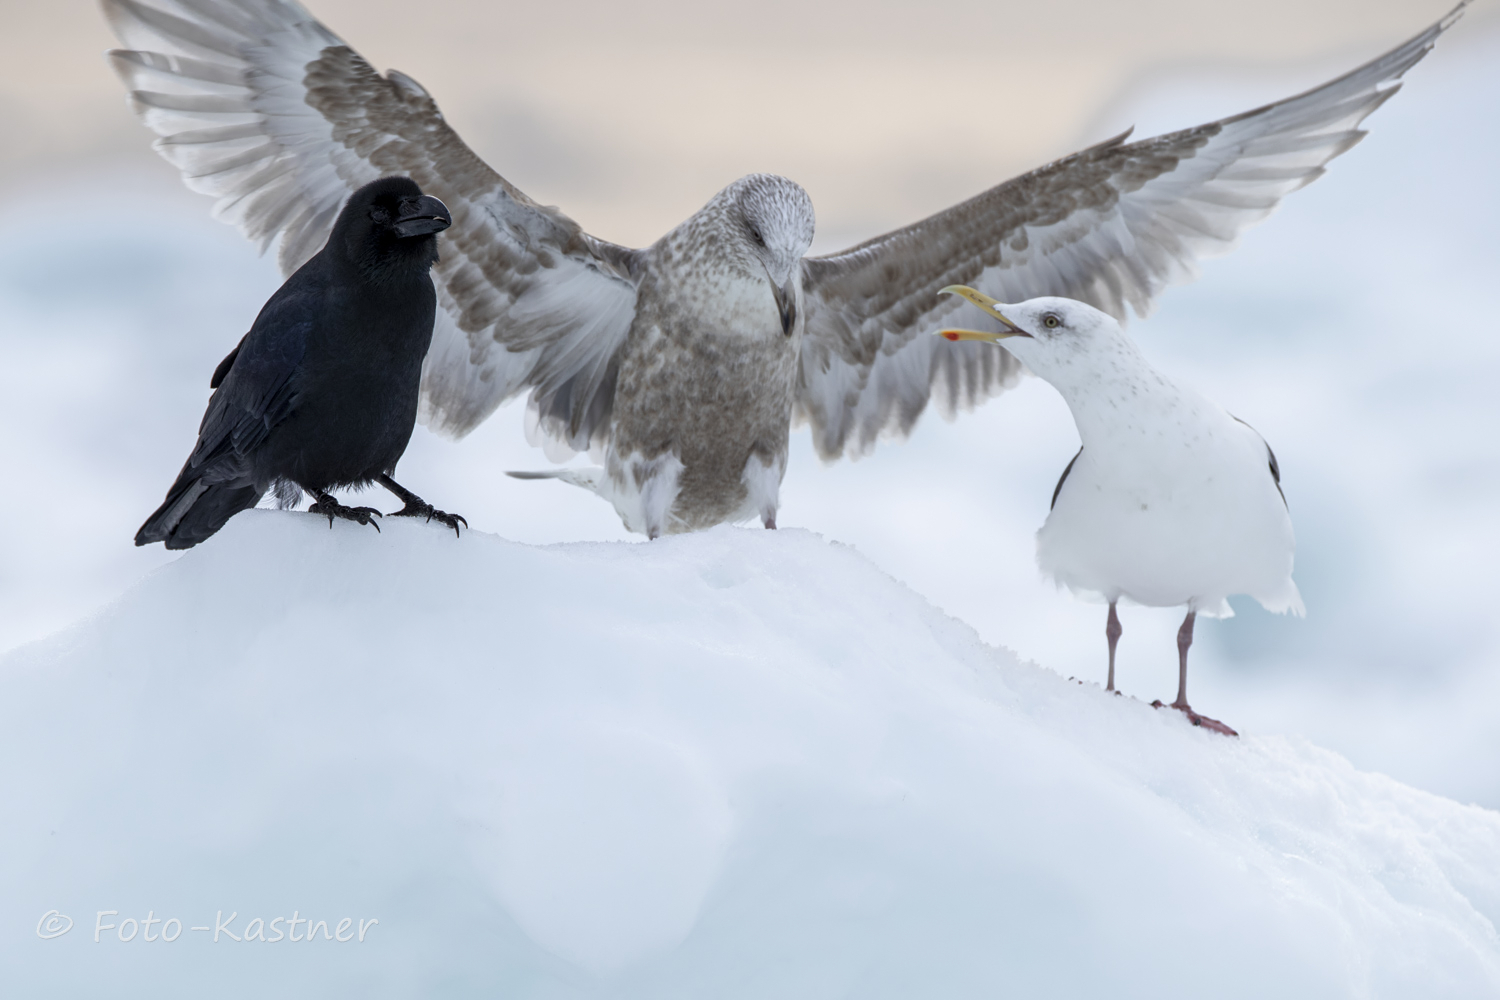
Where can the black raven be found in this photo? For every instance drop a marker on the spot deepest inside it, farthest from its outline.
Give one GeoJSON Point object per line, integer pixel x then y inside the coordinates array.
{"type": "Point", "coordinates": [322, 392]}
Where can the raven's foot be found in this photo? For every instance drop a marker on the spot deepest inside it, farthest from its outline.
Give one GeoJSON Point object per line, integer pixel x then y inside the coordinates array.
{"type": "Point", "coordinates": [330, 507]}
{"type": "Point", "coordinates": [1213, 725]}
{"type": "Point", "coordinates": [417, 507]}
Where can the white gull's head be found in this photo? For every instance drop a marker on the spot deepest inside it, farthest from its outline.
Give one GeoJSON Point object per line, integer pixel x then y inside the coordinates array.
{"type": "Point", "coordinates": [1062, 340]}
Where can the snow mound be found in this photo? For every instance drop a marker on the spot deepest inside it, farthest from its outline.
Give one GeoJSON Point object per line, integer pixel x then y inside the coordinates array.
{"type": "Point", "coordinates": [734, 764]}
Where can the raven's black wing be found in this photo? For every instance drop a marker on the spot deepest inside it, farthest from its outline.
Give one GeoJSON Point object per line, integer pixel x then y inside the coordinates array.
{"type": "Point", "coordinates": [255, 389]}
{"type": "Point", "coordinates": [226, 364]}
{"type": "Point", "coordinates": [259, 389]}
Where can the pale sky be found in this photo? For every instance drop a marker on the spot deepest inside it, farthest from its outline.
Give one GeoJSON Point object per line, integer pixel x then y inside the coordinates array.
{"type": "Point", "coordinates": [630, 116]}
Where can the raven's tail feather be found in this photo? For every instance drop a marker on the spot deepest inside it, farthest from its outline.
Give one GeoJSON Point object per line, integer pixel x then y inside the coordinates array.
{"type": "Point", "coordinates": [195, 510]}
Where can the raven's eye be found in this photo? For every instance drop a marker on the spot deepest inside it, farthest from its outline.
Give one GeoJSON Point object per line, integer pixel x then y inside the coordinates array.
{"type": "Point", "coordinates": [379, 214]}
{"type": "Point", "coordinates": [1051, 322]}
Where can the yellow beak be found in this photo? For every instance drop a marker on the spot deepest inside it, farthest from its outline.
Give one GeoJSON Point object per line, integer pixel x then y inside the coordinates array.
{"type": "Point", "coordinates": [990, 306]}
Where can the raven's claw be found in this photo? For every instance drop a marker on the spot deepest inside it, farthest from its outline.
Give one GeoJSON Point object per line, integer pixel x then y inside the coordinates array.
{"type": "Point", "coordinates": [331, 508]}
{"type": "Point", "coordinates": [421, 508]}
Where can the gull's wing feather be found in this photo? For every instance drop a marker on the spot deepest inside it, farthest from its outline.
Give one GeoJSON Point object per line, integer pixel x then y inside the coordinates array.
{"type": "Point", "coordinates": [267, 110]}
{"type": "Point", "coordinates": [1112, 225]}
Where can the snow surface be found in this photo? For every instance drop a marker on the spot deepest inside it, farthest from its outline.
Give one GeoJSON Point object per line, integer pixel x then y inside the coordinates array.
{"type": "Point", "coordinates": [736, 764]}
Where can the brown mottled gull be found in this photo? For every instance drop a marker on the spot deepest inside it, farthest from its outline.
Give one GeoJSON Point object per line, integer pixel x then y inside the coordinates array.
{"type": "Point", "coordinates": [682, 365]}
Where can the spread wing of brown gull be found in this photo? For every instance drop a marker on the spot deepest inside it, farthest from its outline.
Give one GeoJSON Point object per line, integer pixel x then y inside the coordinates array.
{"type": "Point", "coordinates": [267, 110]}
{"type": "Point", "coordinates": [1112, 225]}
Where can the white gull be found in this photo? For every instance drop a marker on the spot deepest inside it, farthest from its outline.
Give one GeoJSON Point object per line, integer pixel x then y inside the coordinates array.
{"type": "Point", "coordinates": [1171, 501]}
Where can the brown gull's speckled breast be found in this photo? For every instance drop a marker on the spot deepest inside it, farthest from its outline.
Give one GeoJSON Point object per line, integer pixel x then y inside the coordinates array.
{"type": "Point", "coordinates": [706, 374]}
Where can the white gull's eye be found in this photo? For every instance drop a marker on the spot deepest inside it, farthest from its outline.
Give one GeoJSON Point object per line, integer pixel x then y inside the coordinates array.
{"type": "Point", "coordinates": [1051, 322]}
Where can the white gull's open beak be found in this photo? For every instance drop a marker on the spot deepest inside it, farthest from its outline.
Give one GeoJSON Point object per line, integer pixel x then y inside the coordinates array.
{"type": "Point", "coordinates": [990, 306]}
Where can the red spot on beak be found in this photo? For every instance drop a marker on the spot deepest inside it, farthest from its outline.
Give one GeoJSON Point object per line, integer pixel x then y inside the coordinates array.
{"type": "Point", "coordinates": [950, 335]}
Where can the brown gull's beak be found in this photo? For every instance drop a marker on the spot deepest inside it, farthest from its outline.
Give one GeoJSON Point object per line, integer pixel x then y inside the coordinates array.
{"type": "Point", "coordinates": [786, 302]}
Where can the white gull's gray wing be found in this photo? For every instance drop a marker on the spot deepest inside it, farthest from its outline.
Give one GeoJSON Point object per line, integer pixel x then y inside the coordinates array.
{"type": "Point", "coordinates": [1112, 225]}
{"type": "Point", "coordinates": [267, 110]}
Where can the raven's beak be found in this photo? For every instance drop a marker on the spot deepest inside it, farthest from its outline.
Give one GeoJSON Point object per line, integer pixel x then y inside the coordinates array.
{"type": "Point", "coordinates": [786, 303]}
{"type": "Point", "coordinates": [426, 217]}
{"type": "Point", "coordinates": [990, 306]}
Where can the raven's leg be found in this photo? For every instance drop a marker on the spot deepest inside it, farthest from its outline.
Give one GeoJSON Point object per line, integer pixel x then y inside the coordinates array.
{"type": "Point", "coordinates": [325, 504]}
{"type": "Point", "coordinates": [417, 507]}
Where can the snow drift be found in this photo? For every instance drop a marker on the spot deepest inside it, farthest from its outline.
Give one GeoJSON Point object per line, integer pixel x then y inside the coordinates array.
{"type": "Point", "coordinates": [736, 764]}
